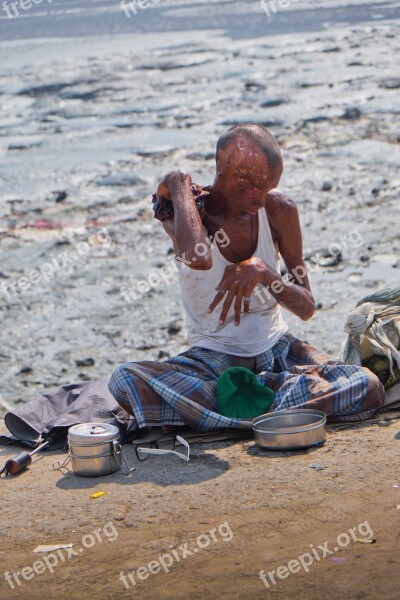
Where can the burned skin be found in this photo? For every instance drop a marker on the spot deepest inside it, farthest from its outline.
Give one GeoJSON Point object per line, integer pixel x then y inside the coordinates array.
{"type": "Point", "coordinates": [244, 183]}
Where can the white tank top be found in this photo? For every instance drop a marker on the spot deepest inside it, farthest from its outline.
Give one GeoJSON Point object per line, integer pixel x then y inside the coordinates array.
{"type": "Point", "coordinates": [259, 329]}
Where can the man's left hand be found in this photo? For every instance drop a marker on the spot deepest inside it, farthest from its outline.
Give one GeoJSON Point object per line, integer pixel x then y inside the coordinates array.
{"type": "Point", "coordinates": [239, 281]}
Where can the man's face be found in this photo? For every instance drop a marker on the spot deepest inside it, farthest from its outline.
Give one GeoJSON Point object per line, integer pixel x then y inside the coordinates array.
{"type": "Point", "coordinates": [243, 176]}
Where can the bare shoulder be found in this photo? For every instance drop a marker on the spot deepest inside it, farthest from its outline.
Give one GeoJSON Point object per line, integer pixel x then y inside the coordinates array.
{"type": "Point", "coordinates": [280, 206]}
{"type": "Point", "coordinates": [282, 212]}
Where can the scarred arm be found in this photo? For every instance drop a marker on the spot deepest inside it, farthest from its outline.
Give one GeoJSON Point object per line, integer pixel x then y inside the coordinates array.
{"type": "Point", "coordinates": [292, 290]}
{"type": "Point", "coordinates": [188, 234]}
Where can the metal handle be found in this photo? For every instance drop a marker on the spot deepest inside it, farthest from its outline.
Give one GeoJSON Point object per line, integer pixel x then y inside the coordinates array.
{"type": "Point", "coordinates": [119, 457]}
{"type": "Point", "coordinates": [63, 466]}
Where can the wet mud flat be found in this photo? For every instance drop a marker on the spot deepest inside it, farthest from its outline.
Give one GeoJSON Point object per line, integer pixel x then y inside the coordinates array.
{"type": "Point", "coordinates": [89, 126]}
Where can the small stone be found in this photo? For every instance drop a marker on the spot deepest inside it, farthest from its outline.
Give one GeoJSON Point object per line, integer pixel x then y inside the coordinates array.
{"type": "Point", "coordinates": [375, 191]}
{"type": "Point", "coordinates": [272, 102]}
{"type": "Point", "coordinates": [84, 362]}
{"type": "Point", "coordinates": [60, 196]}
{"type": "Point", "coordinates": [316, 119]}
{"type": "Point", "coordinates": [173, 329]}
{"type": "Point", "coordinates": [332, 49]}
{"type": "Point", "coordinates": [390, 84]}
{"type": "Point", "coordinates": [163, 354]}
{"type": "Point", "coordinates": [254, 86]}
{"type": "Point", "coordinates": [351, 114]}
{"type": "Point", "coordinates": [84, 377]}
{"type": "Point", "coordinates": [327, 186]}
{"type": "Point", "coordinates": [25, 371]}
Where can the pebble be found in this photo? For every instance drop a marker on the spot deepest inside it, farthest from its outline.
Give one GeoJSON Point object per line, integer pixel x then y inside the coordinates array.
{"type": "Point", "coordinates": [60, 196]}
{"type": "Point", "coordinates": [351, 114]}
{"type": "Point", "coordinates": [84, 362]}
{"type": "Point", "coordinates": [174, 328]}
{"type": "Point", "coordinates": [327, 186]}
{"type": "Point", "coordinates": [272, 102]}
{"type": "Point", "coordinates": [390, 84]}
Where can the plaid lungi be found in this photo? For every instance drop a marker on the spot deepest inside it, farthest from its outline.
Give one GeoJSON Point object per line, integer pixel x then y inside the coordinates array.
{"type": "Point", "coordinates": [182, 390]}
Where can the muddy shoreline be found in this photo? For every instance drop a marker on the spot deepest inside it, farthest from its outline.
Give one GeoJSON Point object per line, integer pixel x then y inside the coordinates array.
{"type": "Point", "coordinates": [85, 141]}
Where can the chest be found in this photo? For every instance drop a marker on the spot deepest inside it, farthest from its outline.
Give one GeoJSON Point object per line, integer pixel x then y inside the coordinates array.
{"type": "Point", "coordinates": [243, 237]}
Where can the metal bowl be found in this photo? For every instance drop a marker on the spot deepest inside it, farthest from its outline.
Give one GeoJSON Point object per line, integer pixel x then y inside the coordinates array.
{"type": "Point", "coordinates": [292, 429]}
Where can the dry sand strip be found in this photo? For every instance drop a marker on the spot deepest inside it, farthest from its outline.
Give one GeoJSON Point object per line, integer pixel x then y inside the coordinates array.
{"type": "Point", "coordinates": [276, 507]}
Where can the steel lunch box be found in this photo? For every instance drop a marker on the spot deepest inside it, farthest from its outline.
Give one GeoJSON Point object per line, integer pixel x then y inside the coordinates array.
{"type": "Point", "coordinates": [94, 449]}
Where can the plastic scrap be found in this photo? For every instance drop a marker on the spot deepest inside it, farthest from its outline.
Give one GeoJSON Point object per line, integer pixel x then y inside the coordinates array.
{"type": "Point", "coordinates": [339, 559]}
{"type": "Point", "coordinates": [365, 540]}
{"type": "Point", "coordinates": [40, 549]}
{"type": "Point", "coordinates": [97, 495]}
{"type": "Point", "coordinates": [317, 467]}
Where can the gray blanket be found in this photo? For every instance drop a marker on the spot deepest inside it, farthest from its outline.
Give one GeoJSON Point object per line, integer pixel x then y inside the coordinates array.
{"type": "Point", "coordinates": [53, 412]}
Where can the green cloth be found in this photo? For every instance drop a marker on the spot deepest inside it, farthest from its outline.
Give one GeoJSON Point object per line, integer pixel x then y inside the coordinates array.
{"type": "Point", "coordinates": [241, 396]}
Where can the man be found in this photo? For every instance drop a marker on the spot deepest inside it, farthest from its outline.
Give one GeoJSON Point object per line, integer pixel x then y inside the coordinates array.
{"type": "Point", "coordinates": [233, 293]}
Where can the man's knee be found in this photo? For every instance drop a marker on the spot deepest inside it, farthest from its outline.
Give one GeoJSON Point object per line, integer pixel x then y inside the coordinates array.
{"type": "Point", "coordinates": [376, 391]}
{"type": "Point", "coordinates": [117, 387]}
{"type": "Point", "coordinates": [117, 380]}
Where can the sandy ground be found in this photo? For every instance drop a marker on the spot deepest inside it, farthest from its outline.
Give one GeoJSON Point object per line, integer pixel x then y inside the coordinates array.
{"type": "Point", "coordinates": [272, 506]}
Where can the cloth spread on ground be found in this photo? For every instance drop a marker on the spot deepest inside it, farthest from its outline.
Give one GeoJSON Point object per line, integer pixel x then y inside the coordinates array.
{"type": "Point", "coordinates": [239, 394]}
{"type": "Point", "coordinates": [182, 390]}
{"type": "Point", "coordinates": [53, 412]}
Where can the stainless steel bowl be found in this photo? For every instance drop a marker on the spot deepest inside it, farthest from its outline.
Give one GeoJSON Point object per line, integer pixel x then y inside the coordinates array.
{"type": "Point", "coordinates": [292, 429]}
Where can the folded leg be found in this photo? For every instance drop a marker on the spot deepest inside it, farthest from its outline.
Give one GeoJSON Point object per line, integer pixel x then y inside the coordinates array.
{"type": "Point", "coordinates": [313, 379]}
{"type": "Point", "coordinates": [178, 391]}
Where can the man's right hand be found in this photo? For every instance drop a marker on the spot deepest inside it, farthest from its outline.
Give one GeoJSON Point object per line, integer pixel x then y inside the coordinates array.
{"type": "Point", "coordinates": [170, 181]}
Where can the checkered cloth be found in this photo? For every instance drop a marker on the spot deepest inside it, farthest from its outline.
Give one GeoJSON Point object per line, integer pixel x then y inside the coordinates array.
{"type": "Point", "coordinates": [182, 390]}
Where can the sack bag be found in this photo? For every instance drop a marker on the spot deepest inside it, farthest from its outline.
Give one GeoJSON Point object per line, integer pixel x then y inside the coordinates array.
{"type": "Point", "coordinates": [374, 334]}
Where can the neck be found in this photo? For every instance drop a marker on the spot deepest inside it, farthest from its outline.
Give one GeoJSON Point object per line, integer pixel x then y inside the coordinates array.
{"type": "Point", "coordinates": [219, 205]}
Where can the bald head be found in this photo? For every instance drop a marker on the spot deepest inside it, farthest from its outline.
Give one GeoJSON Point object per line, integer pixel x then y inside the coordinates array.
{"type": "Point", "coordinates": [249, 165]}
{"type": "Point", "coordinates": [256, 135]}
